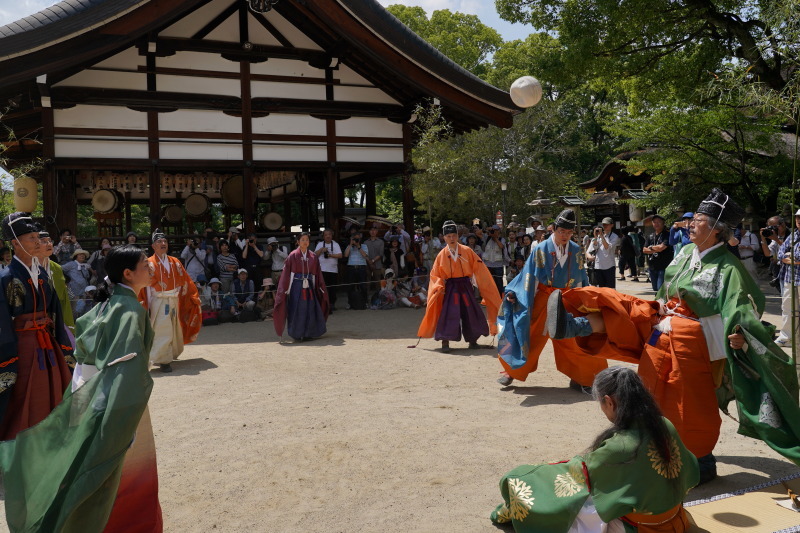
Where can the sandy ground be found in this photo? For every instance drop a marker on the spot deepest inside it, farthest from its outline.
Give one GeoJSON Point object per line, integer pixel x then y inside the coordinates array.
{"type": "Point", "coordinates": [357, 432]}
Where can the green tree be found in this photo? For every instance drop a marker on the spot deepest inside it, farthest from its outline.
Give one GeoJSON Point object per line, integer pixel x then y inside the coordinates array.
{"type": "Point", "coordinates": [459, 176]}
{"type": "Point", "coordinates": [463, 38]}
{"type": "Point", "coordinates": [660, 48]}
{"type": "Point", "coordinates": [691, 149]}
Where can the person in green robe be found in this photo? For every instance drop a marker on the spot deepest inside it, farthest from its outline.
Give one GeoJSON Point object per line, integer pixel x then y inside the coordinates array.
{"type": "Point", "coordinates": [64, 474]}
{"type": "Point", "coordinates": [700, 345]}
{"type": "Point", "coordinates": [633, 478]}
{"type": "Point", "coordinates": [59, 282]}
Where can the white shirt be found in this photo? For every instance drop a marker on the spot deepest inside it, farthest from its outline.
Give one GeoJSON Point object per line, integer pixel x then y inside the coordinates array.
{"type": "Point", "coordinates": [604, 257]}
{"type": "Point", "coordinates": [329, 264]}
{"type": "Point", "coordinates": [748, 239]}
{"type": "Point", "coordinates": [278, 256]}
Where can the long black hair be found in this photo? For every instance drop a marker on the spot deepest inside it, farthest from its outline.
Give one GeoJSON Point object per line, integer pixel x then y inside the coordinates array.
{"type": "Point", "coordinates": [119, 258]}
{"type": "Point", "coordinates": [636, 407]}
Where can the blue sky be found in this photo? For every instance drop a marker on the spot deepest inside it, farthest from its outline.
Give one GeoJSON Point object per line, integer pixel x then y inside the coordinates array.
{"type": "Point", "coordinates": [11, 10]}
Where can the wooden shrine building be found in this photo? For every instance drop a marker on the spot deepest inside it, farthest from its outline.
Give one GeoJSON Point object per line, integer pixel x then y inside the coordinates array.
{"type": "Point", "coordinates": [254, 104]}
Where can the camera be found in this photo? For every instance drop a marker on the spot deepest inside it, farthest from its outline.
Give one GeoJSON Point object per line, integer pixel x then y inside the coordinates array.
{"type": "Point", "coordinates": [768, 231]}
{"type": "Point", "coordinates": [325, 254]}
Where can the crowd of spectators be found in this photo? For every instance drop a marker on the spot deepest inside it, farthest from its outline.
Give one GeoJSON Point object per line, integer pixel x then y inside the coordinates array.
{"type": "Point", "coordinates": [237, 273]}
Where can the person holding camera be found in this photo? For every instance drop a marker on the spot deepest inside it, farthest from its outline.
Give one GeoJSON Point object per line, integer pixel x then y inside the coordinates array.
{"type": "Point", "coordinates": [772, 238]}
{"type": "Point", "coordinates": [659, 252]}
{"type": "Point", "coordinates": [194, 258]}
{"type": "Point", "coordinates": [399, 229]}
{"type": "Point", "coordinates": [679, 232]}
{"type": "Point", "coordinates": [357, 255]}
{"type": "Point", "coordinates": [748, 245]}
{"type": "Point", "coordinates": [278, 255]}
{"type": "Point", "coordinates": [602, 251]}
{"type": "Point", "coordinates": [789, 253]}
{"type": "Point", "coordinates": [251, 259]}
{"type": "Point", "coordinates": [66, 247]}
{"type": "Point", "coordinates": [329, 252]}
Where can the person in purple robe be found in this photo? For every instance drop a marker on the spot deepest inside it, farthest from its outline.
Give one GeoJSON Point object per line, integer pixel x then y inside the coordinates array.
{"type": "Point", "coordinates": [301, 302]}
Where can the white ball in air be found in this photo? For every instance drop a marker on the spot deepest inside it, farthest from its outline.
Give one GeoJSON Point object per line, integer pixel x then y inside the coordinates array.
{"type": "Point", "coordinates": [526, 91]}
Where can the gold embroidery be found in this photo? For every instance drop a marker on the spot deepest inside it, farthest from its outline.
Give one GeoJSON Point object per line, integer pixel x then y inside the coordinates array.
{"type": "Point", "coordinates": [503, 515]}
{"type": "Point", "coordinates": [520, 498]}
{"type": "Point", "coordinates": [15, 293]}
{"type": "Point", "coordinates": [540, 258]}
{"type": "Point", "coordinates": [7, 380]}
{"type": "Point", "coordinates": [671, 469]}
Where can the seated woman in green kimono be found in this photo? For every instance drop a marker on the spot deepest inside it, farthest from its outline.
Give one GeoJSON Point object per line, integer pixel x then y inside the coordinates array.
{"type": "Point", "coordinates": [632, 479]}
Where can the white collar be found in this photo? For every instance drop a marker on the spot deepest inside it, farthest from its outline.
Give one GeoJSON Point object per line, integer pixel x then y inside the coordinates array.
{"type": "Point", "coordinates": [33, 270]}
{"type": "Point", "coordinates": [697, 256]}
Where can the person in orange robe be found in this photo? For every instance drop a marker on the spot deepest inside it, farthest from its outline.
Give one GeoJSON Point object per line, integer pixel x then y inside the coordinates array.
{"type": "Point", "coordinates": [452, 306]}
{"type": "Point", "coordinates": [174, 305]}
{"type": "Point", "coordinates": [555, 263]}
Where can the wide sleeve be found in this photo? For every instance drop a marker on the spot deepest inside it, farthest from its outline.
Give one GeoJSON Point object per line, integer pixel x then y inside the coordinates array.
{"type": "Point", "coordinates": [8, 346]}
{"type": "Point", "coordinates": [514, 322]}
{"type": "Point", "coordinates": [491, 298]}
{"type": "Point", "coordinates": [762, 375]}
{"type": "Point", "coordinates": [75, 455]}
{"type": "Point", "coordinates": [190, 314]}
{"type": "Point", "coordinates": [279, 312]}
{"type": "Point", "coordinates": [60, 285]}
{"type": "Point", "coordinates": [319, 286]}
{"type": "Point", "coordinates": [435, 296]}
{"type": "Point", "coordinates": [60, 330]}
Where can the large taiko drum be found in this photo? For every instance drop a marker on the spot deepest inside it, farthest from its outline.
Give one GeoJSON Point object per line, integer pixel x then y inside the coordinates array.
{"type": "Point", "coordinates": [272, 221]}
{"type": "Point", "coordinates": [232, 191]}
{"type": "Point", "coordinates": [172, 214]}
{"type": "Point", "coordinates": [196, 204]}
{"type": "Point", "coordinates": [384, 224]}
{"type": "Point", "coordinates": [106, 201]}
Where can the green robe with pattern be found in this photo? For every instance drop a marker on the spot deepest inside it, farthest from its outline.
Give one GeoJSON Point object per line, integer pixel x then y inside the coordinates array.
{"type": "Point", "coordinates": [62, 474]}
{"type": "Point", "coordinates": [761, 377]}
{"type": "Point", "coordinates": [60, 286]}
{"type": "Point", "coordinates": [624, 475]}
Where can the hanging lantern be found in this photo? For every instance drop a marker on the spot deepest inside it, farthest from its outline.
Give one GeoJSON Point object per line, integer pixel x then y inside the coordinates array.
{"type": "Point", "coordinates": [26, 194]}
{"type": "Point", "coordinates": [526, 91]}
{"type": "Point", "coordinates": [261, 6]}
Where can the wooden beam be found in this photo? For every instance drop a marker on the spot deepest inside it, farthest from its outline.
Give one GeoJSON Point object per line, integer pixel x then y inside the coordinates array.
{"type": "Point", "coordinates": [261, 19]}
{"type": "Point", "coordinates": [248, 187]}
{"type": "Point", "coordinates": [169, 101]}
{"type": "Point", "coordinates": [254, 53]}
{"type": "Point", "coordinates": [369, 186]}
{"type": "Point", "coordinates": [153, 150]}
{"type": "Point", "coordinates": [216, 21]}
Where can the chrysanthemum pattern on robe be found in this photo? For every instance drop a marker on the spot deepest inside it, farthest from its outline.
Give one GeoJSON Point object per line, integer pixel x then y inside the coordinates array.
{"type": "Point", "coordinates": [520, 498]}
{"type": "Point", "coordinates": [708, 283]}
{"type": "Point", "coordinates": [671, 469]}
{"type": "Point", "coordinates": [767, 413]}
{"type": "Point", "coordinates": [568, 484]}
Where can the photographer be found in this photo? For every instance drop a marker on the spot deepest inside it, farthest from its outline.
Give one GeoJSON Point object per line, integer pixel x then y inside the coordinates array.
{"type": "Point", "coordinates": [329, 252]}
{"type": "Point", "coordinates": [495, 256]}
{"type": "Point", "coordinates": [400, 230]}
{"type": "Point", "coordinates": [278, 255]}
{"type": "Point", "coordinates": [66, 247]}
{"type": "Point", "coordinates": [357, 255]}
{"type": "Point", "coordinates": [659, 252]}
{"type": "Point", "coordinates": [748, 245]}
{"type": "Point", "coordinates": [602, 251]}
{"type": "Point", "coordinates": [772, 238]}
{"type": "Point", "coordinates": [679, 232]}
{"type": "Point", "coordinates": [194, 258]}
{"type": "Point", "coordinates": [251, 259]}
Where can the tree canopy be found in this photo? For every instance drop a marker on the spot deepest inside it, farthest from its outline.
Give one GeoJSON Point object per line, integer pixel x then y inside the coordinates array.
{"type": "Point", "coordinates": [463, 38]}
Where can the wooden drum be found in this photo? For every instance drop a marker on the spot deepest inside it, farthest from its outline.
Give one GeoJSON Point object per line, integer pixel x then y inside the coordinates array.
{"type": "Point", "coordinates": [232, 191]}
{"type": "Point", "coordinates": [106, 201]}
{"type": "Point", "coordinates": [172, 214]}
{"type": "Point", "coordinates": [272, 221]}
{"type": "Point", "coordinates": [197, 205]}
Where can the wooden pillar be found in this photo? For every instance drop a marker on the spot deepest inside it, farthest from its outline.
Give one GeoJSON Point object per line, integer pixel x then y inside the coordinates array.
{"type": "Point", "coordinates": [333, 202]}
{"type": "Point", "coordinates": [128, 222]}
{"type": "Point", "coordinates": [408, 195]}
{"type": "Point", "coordinates": [369, 192]}
{"type": "Point", "coordinates": [287, 212]}
{"type": "Point", "coordinates": [50, 185]}
{"type": "Point", "coordinates": [67, 208]}
{"type": "Point", "coordinates": [153, 150]}
{"type": "Point", "coordinates": [248, 183]}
